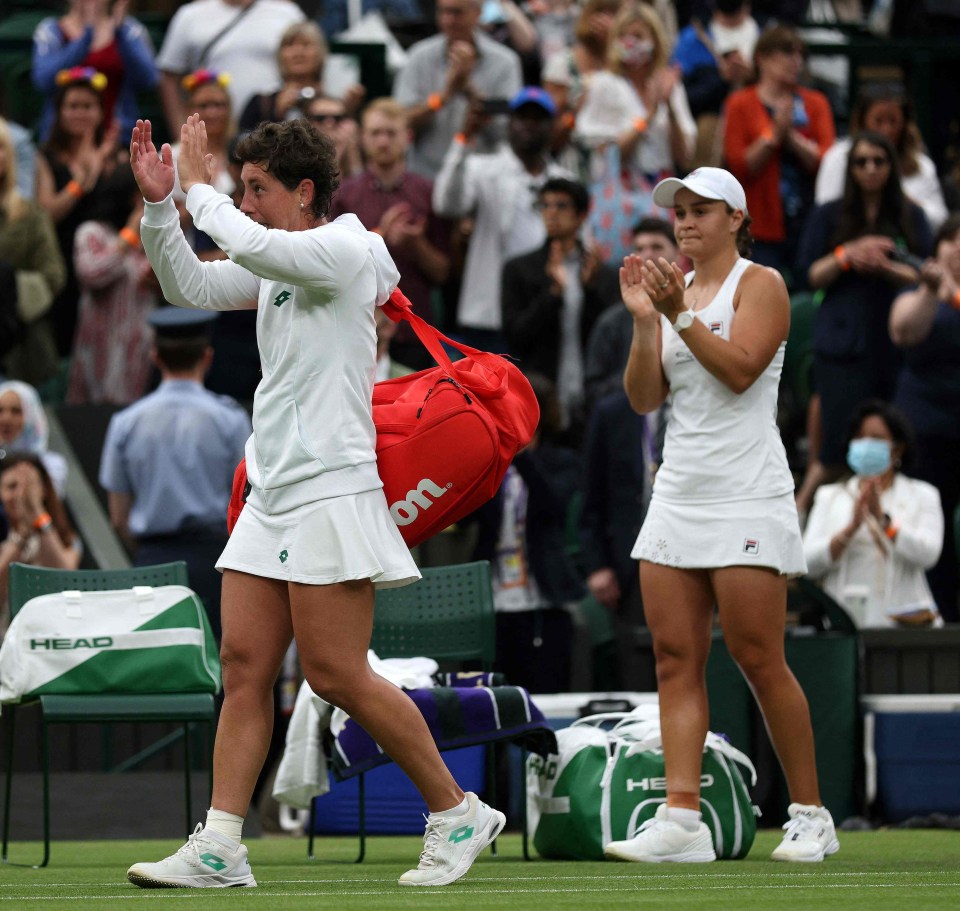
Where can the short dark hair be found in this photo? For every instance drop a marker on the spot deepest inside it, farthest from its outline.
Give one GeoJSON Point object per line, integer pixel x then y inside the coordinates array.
{"type": "Point", "coordinates": [293, 151]}
{"type": "Point", "coordinates": [179, 354]}
{"type": "Point", "coordinates": [897, 422]}
{"type": "Point", "coordinates": [778, 38]}
{"type": "Point", "coordinates": [650, 224]}
{"type": "Point", "coordinates": [577, 192]}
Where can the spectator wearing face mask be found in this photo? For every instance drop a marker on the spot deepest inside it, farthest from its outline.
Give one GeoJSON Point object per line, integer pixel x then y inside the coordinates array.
{"type": "Point", "coordinates": [639, 101]}
{"type": "Point", "coordinates": [869, 539]}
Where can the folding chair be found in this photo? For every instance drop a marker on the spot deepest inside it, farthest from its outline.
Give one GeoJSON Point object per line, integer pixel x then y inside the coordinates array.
{"type": "Point", "coordinates": [448, 616]}
{"type": "Point", "coordinates": [28, 582]}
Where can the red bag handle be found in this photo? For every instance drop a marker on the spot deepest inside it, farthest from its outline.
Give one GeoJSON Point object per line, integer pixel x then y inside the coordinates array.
{"type": "Point", "coordinates": [398, 307]}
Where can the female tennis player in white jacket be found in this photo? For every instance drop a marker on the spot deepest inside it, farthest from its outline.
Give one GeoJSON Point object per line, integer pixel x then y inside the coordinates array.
{"type": "Point", "coordinates": [316, 535]}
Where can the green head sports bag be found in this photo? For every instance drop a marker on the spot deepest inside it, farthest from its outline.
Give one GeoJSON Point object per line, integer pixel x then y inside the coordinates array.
{"type": "Point", "coordinates": [137, 640]}
{"type": "Point", "coordinates": [605, 782]}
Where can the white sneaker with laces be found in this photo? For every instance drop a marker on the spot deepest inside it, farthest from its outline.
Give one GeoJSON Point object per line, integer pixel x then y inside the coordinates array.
{"type": "Point", "coordinates": [661, 839]}
{"type": "Point", "coordinates": [208, 860]}
{"type": "Point", "coordinates": [809, 835]}
{"type": "Point", "coordinates": [452, 843]}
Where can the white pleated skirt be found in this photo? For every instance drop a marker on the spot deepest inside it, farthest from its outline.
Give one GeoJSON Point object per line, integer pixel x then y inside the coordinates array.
{"type": "Point", "coordinates": [339, 539]}
{"type": "Point", "coordinates": [763, 533]}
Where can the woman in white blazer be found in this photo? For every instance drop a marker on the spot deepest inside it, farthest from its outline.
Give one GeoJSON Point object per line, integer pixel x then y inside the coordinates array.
{"type": "Point", "coordinates": [870, 539]}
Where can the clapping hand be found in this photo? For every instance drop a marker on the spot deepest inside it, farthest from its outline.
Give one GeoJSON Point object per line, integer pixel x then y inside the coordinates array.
{"type": "Point", "coordinates": [28, 494]}
{"type": "Point", "coordinates": [400, 227]}
{"type": "Point", "coordinates": [869, 254]}
{"type": "Point", "coordinates": [461, 60]}
{"type": "Point", "coordinates": [650, 288]}
{"type": "Point", "coordinates": [119, 12]}
{"type": "Point", "coordinates": [154, 172]}
{"type": "Point", "coordinates": [194, 163]}
{"type": "Point", "coordinates": [556, 269]}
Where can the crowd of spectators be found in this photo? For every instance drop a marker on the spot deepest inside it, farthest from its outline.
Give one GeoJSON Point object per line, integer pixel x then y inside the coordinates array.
{"type": "Point", "coordinates": [516, 134]}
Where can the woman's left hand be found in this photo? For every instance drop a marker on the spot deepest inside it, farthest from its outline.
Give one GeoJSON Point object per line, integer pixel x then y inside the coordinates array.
{"type": "Point", "coordinates": [194, 163]}
{"type": "Point", "coordinates": [664, 284]}
{"type": "Point", "coordinates": [870, 493]}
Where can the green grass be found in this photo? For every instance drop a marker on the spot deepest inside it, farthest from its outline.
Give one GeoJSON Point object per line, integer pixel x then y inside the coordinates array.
{"type": "Point", "coordinates": [899, 869]}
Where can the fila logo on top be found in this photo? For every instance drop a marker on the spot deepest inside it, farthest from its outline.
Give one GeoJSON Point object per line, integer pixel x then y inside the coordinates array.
{"type": "Point", "coordinates": [405, 511]}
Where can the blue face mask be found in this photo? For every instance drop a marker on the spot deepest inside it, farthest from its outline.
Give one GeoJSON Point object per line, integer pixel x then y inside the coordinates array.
{"type": "Point", "coordinates": [869, 457]}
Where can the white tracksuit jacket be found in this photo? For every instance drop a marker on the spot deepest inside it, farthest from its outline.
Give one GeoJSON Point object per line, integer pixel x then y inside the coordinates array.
{"type": "Point", "coordinates": [315, 291]}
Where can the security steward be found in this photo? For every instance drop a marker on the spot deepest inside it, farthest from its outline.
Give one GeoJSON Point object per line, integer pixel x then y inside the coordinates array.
{"type": "Point", "coordinates": [168, 459]}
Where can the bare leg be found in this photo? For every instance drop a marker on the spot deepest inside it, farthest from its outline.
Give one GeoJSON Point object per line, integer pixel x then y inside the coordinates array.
{"type": "Point", "coordinates": [679, 610]}
{"type": "Point", "coordinates": [333, 625]}
{"type": "Point", "coordinates": [256, 633]}
{"type": "Point", "coordinates": [753, 606]}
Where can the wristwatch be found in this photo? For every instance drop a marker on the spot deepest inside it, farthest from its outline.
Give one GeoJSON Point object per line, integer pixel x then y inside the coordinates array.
{"type": "Point", "coordinates": [683, 321]}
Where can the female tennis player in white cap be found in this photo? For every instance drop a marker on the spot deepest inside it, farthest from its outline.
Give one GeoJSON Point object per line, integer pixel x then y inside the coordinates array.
{"type": "Point", "coordinates": [722, 526]}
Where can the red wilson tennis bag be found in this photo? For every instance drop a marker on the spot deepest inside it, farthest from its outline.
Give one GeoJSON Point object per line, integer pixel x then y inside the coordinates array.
{"type": "Point", "coordinates": [446, 435]}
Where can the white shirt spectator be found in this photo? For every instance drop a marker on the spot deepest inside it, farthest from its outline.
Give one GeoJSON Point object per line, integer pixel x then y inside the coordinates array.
{"type": "Point", "coordinates": [610, 107]}
{"type": "Point", "coordinates": [247, 51]}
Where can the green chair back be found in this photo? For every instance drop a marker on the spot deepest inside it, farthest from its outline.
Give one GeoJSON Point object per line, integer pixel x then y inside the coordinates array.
{"type": "Point", "coordinates": [798, 360]}
{"type": "Point", "coordinates": [447, 615]}
{"type": "Point", "coordinates": [26, 582]}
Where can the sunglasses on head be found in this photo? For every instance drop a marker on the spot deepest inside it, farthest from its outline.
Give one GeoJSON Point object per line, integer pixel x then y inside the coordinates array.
{"type": "Point", "coordinates": [878, 161]}
{"type": "Point", "coordinates": [321, 118]}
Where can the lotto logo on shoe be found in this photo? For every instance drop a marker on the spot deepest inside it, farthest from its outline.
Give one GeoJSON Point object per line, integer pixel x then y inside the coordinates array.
{"type": "Point", "coordinates": [461, 834]}
{"type": "Point", "coordinates": [212, 861]}
{"type": "Point", "coordinates": [660, 784]}
{"type": "Point", "coordinates": [405, 511]}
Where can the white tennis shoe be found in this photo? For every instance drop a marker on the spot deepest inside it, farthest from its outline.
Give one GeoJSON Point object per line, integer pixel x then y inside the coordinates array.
{"type": "Point", "coordinates": [208, 860]}
{"type": "Point", "coordinates": [809, 835]}
{"type": "Point", "coordinates": [662, 840]}
{"type": "Point", "coordinates": [452, 843]}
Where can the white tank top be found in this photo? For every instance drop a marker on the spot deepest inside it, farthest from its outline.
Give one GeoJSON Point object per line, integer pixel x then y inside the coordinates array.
{"type": "Point", "coordinates": [720, 445]}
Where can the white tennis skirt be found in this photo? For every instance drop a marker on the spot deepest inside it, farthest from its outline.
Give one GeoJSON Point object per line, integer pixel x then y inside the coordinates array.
{"type": "Point", "coordinates": [338, 539]}
{"type": "Point", "coordinates": [710, 535]}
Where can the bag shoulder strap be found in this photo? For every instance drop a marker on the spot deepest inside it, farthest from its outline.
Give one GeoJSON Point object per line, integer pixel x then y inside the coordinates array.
{"type": "Point", "coordinates": [202, 59]}
{"type": "Point", "coordinates": [398, 307]}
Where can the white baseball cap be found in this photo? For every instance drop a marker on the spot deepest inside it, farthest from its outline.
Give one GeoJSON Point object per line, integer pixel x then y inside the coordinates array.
{"type": "Point", "coordinates": [710, 183]}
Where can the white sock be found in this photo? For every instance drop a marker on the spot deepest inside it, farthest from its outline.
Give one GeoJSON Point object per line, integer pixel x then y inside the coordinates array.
{"type": "Point", "coordinates": [458, 810]}
{"type": "Point", "coordinates": [689, 819]}
{"type": "Point", "coordinates": [227, 824]}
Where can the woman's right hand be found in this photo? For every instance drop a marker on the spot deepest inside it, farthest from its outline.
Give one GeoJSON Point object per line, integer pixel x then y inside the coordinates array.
{"type": "Point", "coordinates": [154, 172]}
{"type": "Point", "coordinates": [869, 254]}
{"type": "Point", "coordinates": [634, 294]}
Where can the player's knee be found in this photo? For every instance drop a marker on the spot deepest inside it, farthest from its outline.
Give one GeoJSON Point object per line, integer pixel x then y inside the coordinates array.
{"type": "Point", "coordinates": [244, 667]}
{"type": "Point", "coordinates": [676, 662]}
{"type": "Point", "coordinates": [755, 661]}
{"type": "Point", "coordinates": [329, 683]}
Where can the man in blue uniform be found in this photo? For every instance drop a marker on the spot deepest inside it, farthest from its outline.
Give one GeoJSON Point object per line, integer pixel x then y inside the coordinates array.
{"type": "Point", "coordinates": [168, 460]}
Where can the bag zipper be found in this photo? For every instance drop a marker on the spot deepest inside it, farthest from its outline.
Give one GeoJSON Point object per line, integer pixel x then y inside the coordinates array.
{"type": "Point", "coordinates": [446, 379]}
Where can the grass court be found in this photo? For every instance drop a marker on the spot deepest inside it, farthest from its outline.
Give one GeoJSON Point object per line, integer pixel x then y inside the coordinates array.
{"type": "Point", "coordinates": [906, 870]}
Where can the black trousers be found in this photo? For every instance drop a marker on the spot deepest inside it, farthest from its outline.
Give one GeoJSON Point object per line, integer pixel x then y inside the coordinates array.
{"type": "Point", "coordinates": [534, 649]}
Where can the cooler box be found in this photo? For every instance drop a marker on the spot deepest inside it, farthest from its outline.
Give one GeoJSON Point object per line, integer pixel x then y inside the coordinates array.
{"type": "Point", "coordinates": [912, 749]}
{"type": "Point", "coordinates": [393, 805]}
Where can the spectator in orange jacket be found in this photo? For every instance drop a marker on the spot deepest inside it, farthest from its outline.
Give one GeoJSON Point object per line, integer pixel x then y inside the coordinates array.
{"type": "Point", "coordinates": [776, 133]}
